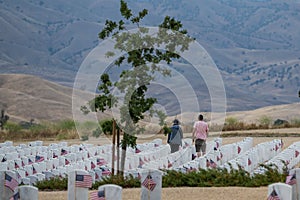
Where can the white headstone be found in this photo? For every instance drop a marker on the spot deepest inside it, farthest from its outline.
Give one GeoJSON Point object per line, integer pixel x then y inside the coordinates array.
{"type": "Point", "coordinates": [111, 191]}
{"type": "Point", "coordinates": [282, 190]}
{"type": "Point", "coordinates": [151, 184]}
{"type": "Point", "coordinates": [79, 182]}
{"type": "Point", "coordinates": [295, 184]}
{"type": "Point", "coordinates": [27, 192]}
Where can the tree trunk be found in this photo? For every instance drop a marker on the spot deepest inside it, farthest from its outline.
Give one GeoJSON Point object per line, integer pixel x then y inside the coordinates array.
{"type": "Point", "coordinates": [118, 152]}
{"type": "Point", "coordinates": [113, 148]}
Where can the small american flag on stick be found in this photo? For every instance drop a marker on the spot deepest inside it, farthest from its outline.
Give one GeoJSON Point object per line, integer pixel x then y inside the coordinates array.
{"type": "Point", "coordinates": [10, 182]}
{"type": "Point", "coordinates": [291, 179]}
{"type": "Point", "coordinates": [149, 183]}
{"type": "Point", "coordinates": [98, 195]}
{"type": "Point", "coordinates": [273, 196]}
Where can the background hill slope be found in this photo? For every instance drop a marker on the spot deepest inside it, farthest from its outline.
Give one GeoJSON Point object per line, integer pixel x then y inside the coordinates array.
{"type": "Point", "coordinates": [255, 44]}
{"type": "Point", "coordinates": [28, 97]}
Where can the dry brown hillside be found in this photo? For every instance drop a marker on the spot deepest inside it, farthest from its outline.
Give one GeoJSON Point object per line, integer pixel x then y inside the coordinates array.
{"type": "Point", "coordinates": [28, 97]}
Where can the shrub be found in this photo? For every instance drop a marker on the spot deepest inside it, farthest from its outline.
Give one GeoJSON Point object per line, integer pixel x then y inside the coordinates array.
{"type": "Point", "coordinates": [97, 132]}
{"type": "Point", "coordinates": [65, 125]}
{"type": "Point", "coordinates": [106, 126]}
{"type": "Point", "coordinates": [84, 138]}
{"type": "Point", "coordinates": [12, 127]}
{"type": "Point", "coordinates": [61, 136]}
{"type": "Point", "coordinates": [265, 121]}
{"type": "Point", "coordinates": [53, 184]}
{"type": "Point", "coordinates": [127, 182]}
{"type": "Point", "coordinates": [201, 178]}
{"type": "Point", "coordinates": [295, 123]}
{"type": "Point", "coordinates": [231, 121]}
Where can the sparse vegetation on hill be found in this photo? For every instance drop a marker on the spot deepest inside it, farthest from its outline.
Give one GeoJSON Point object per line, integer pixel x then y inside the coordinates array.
{"type": "Point", "coordinates": [45, 131]}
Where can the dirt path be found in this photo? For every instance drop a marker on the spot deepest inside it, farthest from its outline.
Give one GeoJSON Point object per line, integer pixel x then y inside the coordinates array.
{"type": "Point", "coordinates": [187, 193]}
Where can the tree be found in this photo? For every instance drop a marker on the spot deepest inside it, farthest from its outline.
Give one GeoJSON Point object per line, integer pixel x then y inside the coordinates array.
{"type": "Point", "coordinates": [143, 52]}
{"type": "Point", "coordinates": [3, 119]}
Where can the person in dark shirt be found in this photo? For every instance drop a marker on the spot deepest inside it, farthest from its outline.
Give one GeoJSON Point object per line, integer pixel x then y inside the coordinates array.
{"type": "Point", "coordinates": [175, 136]}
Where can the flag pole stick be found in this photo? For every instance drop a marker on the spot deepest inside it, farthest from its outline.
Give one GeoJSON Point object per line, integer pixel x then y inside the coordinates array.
{"type": "Point", "coordinates": [148, 184]}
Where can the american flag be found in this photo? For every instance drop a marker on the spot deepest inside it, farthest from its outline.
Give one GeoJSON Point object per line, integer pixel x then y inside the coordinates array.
{"type": "Point", "coordinates": [93, 165]}
{"type": "Point", "coordinates": [291, 179]}
{"type": "Point", "coordinates": [296, 153]}
{"type": "Point", "coordinates": [101, 161]}
{"type": "Point", "coordinates": [141, 162]}
{"type": "Point", "coordinates": [98, 195]}
{"type": "Point", "coordinates": [63, 152]}
{"type": "Point", "coordinates": [106, 172]}
{"type": "Point", "coordinates": [83, 181]}
{"type": "Point", "coordinates": [137, 150]}
{"type": "Point", "coordinates": [16, 165]}
{"type": "Point", "coordinates": [210, 163]}
{"type": "Point", "coordinates": [30, 161]}
{"type": "Point", "coordinates": [10, 182]}
{"type": "Point", "coordinates": [145, 159]}
{"type": "Point", "coordinates": [281, 143]}
{"type": "Point", "coordinates": [249, 161]}
{"type": "Point", "coordinates": [16, 196]}
{"type": "Point", "coordinates": [96, 176]}
{"type": "Point", "coordinates": [39, 158]}
{"type": "Point", "coordinates": [149, 183]}
{"type": "Point", "coordinates": [34, 170]}
{"type": "Point", "coordinates": [169, 164]}
{"type": "Point", "coordinates": [239, 149]}
{"type": "Point", "coordinates": [273, 196]}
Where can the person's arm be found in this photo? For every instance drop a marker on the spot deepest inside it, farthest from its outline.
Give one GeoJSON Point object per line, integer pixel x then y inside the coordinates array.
{"type": "Point", "coordinates": [207, 129]}
{"type": "Point", "coordinates": [193, 134]}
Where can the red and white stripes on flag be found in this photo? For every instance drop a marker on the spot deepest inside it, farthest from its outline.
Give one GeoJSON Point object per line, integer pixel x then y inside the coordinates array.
{"type": "Point", "coordinates": [296, 153]}
{"type": "Point", "coordinates": [39, 158]}
{"type": "Point", "coordinates": [273, 196]}
{"type": "Point", "coordinates": [249, 162]}
{"type": "Point", "coordinates": [149, 183]}
{"type": "Point", "coordinates": [98, 195]}
{"type": "Point", "coordinates": [291, 179]}
{"type": "Point", "coordinates": [83, 181]}
{"type": "Point", "coordinates": [10, 182]}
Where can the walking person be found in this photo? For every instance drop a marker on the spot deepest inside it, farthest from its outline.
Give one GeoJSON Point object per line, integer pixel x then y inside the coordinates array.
{"type": "Point", "coordinates": [199, 135]}
{"type": "Point", "coordinates": [175, 136]}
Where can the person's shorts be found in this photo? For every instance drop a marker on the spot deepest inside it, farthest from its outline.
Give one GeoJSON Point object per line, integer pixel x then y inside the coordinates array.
{"type": "Point", "coordinates": [200, 145]}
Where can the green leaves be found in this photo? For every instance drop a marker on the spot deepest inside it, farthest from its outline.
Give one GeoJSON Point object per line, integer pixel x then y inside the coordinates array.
{"type": "Point", "coordinates": [125, 11]}
{"type": "Point", "coordinates": [110, 26]}
{"type": "Point", "coordinates": [144, 52]}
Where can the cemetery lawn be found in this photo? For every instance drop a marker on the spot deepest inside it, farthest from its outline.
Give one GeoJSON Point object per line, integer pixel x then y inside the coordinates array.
{"type": "Point", "coordinates": [189, 193]}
